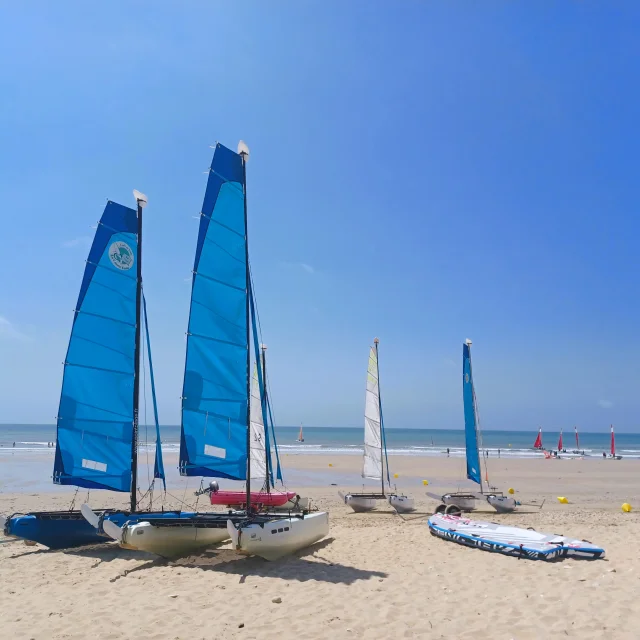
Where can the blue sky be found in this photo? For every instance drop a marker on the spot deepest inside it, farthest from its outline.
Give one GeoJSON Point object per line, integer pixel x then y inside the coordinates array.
{"type": "Point", "coordinates": [420, 171]}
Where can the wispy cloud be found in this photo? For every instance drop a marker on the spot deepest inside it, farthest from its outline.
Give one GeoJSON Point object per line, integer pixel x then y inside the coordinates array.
{"type": "Point", "coordinates": [605, 404]}
{"type": "Point", "coordinates": [81, 241]}
{"type": "Point", "coordinates": [449, 362]}
{"type": "Point", "coordinates": [300, 265]}
{"type": "Point", "coordinates": [8, 331]}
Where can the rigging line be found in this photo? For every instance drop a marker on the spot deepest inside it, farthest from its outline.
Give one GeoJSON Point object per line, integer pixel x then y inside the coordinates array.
{"type": "Point", "coordinates": [144, 409]}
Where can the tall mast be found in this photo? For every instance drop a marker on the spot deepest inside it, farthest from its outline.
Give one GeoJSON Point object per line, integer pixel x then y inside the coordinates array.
{"type": "Point", "coordinates": [243, 150]}
{"type": "Point", "coordinates": [267, 452]}
{"type": "Point", "coordinates": [376, 342]}
{"type": "Point", "coordinates": [141, 201]}
{"type": "Point", "coordinates": [475, 415]}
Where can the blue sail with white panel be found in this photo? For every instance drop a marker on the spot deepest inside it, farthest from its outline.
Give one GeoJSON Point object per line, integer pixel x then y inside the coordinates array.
{"type": "Point", "coordinates": [216, 379]}
{"type": "Point", "coordinates": [95, 416]}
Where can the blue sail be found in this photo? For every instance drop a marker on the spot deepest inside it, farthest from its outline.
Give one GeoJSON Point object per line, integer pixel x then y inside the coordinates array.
{"type": "Point", "coordinates": [95, 417]}
{"type": "Point", "coordinates": [470, 426]}
{"type": "Point", "coordinates": [215, 392]}
{"type": "Point", "coordinates": [158, 466]}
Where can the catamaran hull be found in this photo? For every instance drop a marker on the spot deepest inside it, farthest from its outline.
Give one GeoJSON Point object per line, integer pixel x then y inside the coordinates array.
{"type": "Point", "coordinates": [402, 504]}
{"type": "Point", "coordinates": [170, 542]}
{"type": "Point", "coordinates": [359, 504]}
{"type": "Point", "coordinates": [464, 502]}
{"type": "Point", "coordinates": [502, 504]}
{"type": "Point", "coordinates": [54, 529]}
{"type": "Point", "coordinates": [277, 538]}
{"type": "Point", "coordinates": [239, 498]}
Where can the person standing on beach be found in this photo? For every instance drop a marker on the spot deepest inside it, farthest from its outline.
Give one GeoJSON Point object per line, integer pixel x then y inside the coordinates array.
{"type": "Point", "coordinates": [447, 452]}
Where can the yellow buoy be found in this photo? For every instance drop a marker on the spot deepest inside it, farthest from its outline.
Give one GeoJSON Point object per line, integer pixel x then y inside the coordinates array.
{"type": "Point", "coordinates": [425, 482]}
{"type": "Point", "coordinates": [395, 475]}
{"type": "Point", "coordinates": [626, 507]}
{"type": "Point", "coordinates": [562, 500]}
{"type": "Point", "coordinates": [330, 465]}
{"type": "Point", "coordinates": [512, 490]}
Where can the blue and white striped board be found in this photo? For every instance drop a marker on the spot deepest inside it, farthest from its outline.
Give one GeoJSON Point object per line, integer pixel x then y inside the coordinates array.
{"type": "Point", "coordinates": [511, 541]}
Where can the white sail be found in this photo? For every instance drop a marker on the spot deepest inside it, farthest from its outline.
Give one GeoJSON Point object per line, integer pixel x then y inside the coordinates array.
{"type": "Point", "coordinates": [372, 467]}
{"type": "Point", "coordinates": [257, 450]}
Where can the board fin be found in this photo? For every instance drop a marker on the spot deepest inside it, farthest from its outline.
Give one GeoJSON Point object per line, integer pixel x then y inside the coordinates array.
{"type": "Point", "coordinates": [90, 515]}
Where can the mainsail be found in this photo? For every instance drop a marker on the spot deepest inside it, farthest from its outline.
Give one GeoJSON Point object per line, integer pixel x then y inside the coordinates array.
{"type": "Point", "coordinates": [216, 381]}
{"type": "Point", "coordinates": [538, 443]}
{"type": "Point", "coordinates": [470, 417]}
{"type": "Point", "coordinates": [560, 445]}
{"type": "Point", "coordinates": [96, 413]}
{"type": "Point", "coordinates": [373, 437]}
{"type": "Point", "coordinates": [613, 443]}
{"type": "Point", "coordinates": [577, 439]}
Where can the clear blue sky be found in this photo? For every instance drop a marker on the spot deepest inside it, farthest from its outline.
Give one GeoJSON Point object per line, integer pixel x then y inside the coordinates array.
{"type": "Point", "coordinates": [420, 171]}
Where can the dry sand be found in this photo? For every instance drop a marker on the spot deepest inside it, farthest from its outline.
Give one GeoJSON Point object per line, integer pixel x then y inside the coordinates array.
{"type": "Point", "coordinates": [377, 576]}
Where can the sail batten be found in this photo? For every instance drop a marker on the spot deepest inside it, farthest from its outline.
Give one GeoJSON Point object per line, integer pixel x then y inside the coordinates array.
{"type": "Point", "coordinates": [215, 402]}
{"type": "Point", "coordinates": [95, 416]}
{"type": "Point", "coordinates": [372, 463]}
{"type": "Point", "coordinates": [474, 472]}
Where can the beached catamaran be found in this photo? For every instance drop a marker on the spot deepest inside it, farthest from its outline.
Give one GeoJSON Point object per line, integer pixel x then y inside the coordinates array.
{"type": "Point", "coordinates": [218, 438]}
{"type": "Point", "coordinates": [97, 423]}
{"type": "Point", "coordinates": [538, 443]}
{"type": "Point", "coordinates": [466, 501]}
{"type": "Point", "coordinates": [375, 463]}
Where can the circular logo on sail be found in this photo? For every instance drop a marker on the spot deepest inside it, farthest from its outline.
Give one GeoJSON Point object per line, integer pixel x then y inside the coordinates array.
{"type": "Point", "coordinates": [121, 255]}
{"type": "Point", "coordinates": [466, 378]}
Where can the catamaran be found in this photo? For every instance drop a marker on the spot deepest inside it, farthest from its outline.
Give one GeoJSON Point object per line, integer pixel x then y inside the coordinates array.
{"type": "Point", "coordinates": [466, 501]}
{"type": "Point", "coordinates": [613, 446]}
{"type": "Point", "coordinates": [538, 443]}
{"type": "Point", "coordinates": [217, 436]}
{"type": "Point", "coordinates": [97, 423]}
{"type": "Point", "coordinates": [560, 444]}
{"type": "Point", "coordinates": [300, 435]}
{"type": "Point", "coordinates": [375, 463]}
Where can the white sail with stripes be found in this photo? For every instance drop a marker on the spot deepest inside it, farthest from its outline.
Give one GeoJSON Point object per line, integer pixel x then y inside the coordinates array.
{"type": "Point", "coordinates": [372, 466]}
{"type": "Point", "coordinates": [257, 449]}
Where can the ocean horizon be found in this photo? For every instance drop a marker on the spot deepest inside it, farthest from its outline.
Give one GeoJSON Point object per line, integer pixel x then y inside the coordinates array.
{"type": "Point", "coordinates": [348, 440]}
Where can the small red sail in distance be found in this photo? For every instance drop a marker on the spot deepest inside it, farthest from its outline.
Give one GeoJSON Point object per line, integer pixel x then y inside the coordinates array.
{"type": "Point", "coordinates": [577, 439]}
{"type": "Point", "coordinates": [538, 443]}
{"type": "Point", "coordinates": [560, 447]}
{"type": "Point", "coordinates": [613, 443]}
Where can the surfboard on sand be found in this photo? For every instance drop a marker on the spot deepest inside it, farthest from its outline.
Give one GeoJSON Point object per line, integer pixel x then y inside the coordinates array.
{"type": "Point", "coordinates": [512, 541]}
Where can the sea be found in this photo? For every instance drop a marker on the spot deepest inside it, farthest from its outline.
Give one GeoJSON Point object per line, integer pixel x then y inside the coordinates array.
{"type": "Point", "coordinates": [348, 441]}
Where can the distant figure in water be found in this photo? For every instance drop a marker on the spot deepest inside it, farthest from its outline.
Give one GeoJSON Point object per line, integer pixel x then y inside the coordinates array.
{"type": "Point", "coordinates": [447, 452]}
{"type": "Point", "coordinates": [604, 453]}
{"type": "Point", "coordinates": [14, 444]}
{"type": "Point", "coordinates": [498, 453]}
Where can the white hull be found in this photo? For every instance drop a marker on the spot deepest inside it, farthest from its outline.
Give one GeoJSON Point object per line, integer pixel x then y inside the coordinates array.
{"type": "Point", "coordinates": [170, 542]}
{"type": "Point", "coordinates": [464, 502]}
{"type": "Point", "coordinates": [279, 537]}
{"type": "Point", "coordinates": [502, 504]}
{"type": "Point", "coordinates": [402, 504]}
{"type": "Point", "coordinates": [359, 504]}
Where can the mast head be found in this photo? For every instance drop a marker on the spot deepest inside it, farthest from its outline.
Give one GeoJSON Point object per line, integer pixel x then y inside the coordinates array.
{"type": "Point", "coordinates": [141, 199]}
{"type": "Point", "coordinates": [468, 342]}
{"type": "Point", "coordinates": [376, 341]}
{"type": "Point", "coordinates": [243, 150]}
{"type": "Point", "coordinates": [263, 347]}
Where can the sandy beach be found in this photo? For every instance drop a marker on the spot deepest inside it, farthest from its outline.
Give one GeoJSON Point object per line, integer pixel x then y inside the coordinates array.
{"type": "Point", "coordinates": [378, 575]}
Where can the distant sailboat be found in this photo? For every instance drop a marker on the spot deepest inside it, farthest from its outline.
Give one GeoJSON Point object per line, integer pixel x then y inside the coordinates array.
{"type": "Point", "coordinates": [466, 501]}
{"type": "Point", "coordinates": [613, 446]}
{"type": "Point", "coordinates": [538, 443]}
{"type": "Point", "coordinates": [577, 440]}
{"type": "Point", "coordinates": [560, 445]}
{"type": "Point", "coordinates": [300, 435]}
{"type": "Point", "coordinates": [375, 463]}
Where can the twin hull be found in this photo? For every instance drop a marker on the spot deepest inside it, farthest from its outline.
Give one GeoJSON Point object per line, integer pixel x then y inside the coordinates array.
{"type": "Point", "coordinates": [277, 538]}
